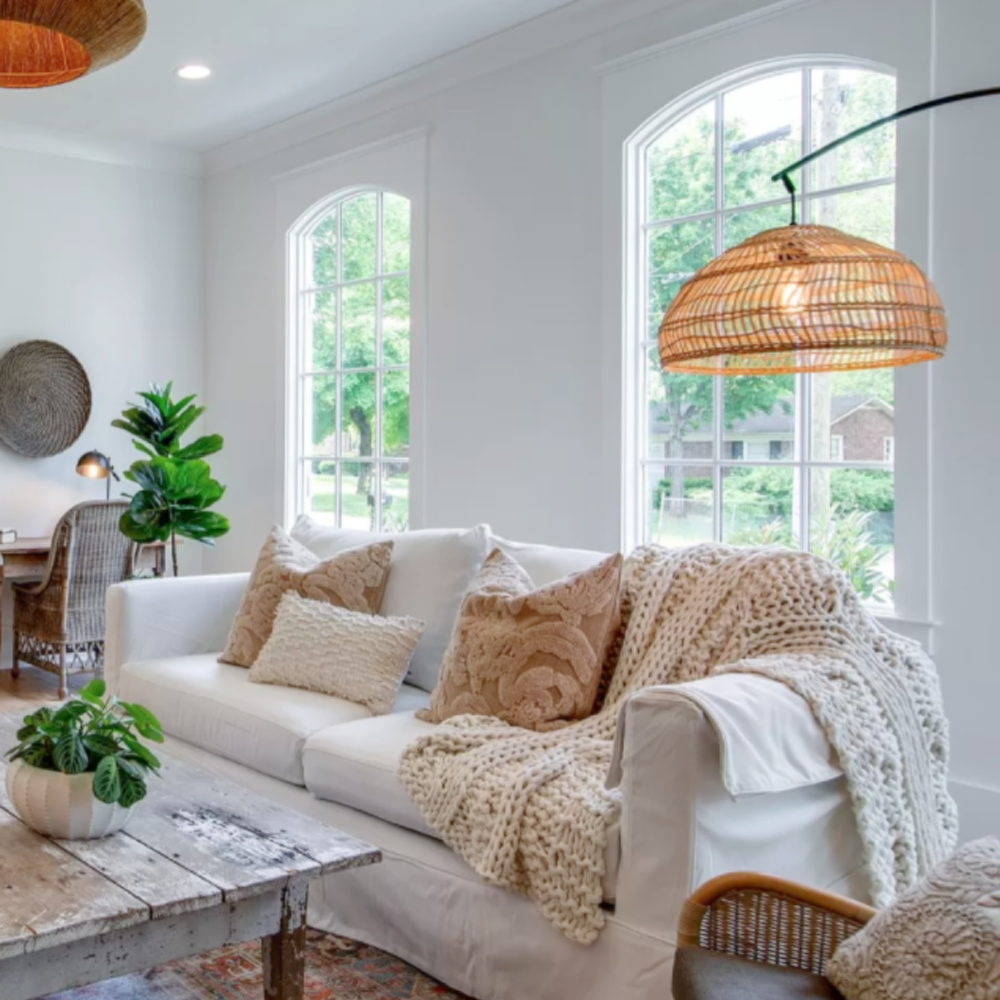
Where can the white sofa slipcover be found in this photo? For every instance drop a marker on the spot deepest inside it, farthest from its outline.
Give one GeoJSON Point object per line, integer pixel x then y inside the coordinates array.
{"type": "Point", "coordinates": [678, 748]}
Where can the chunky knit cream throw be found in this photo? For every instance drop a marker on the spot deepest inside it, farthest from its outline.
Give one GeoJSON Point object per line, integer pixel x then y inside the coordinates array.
{"type": "Point", "coordinates": [530, 811]}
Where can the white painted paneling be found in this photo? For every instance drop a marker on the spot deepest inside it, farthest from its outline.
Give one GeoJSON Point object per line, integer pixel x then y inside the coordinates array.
{"type": "Point", "coordinates": [523, 348]}
{"type": "Point", "coordinates": [107, 261]}
{"type": "Point", "coordinates": [966, 260]}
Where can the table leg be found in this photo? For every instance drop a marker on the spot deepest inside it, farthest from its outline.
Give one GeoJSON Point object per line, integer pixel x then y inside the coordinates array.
{"type": "Point", "coordinates": [285, 952]}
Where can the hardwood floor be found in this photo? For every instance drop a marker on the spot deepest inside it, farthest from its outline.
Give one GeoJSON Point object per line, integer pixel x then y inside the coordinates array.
{"type": "Point", "coordinates": [34, 687]}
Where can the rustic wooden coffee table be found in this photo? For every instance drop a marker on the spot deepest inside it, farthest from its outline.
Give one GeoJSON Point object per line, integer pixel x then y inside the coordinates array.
{"type": "Point", "coordinates": [204, 863]}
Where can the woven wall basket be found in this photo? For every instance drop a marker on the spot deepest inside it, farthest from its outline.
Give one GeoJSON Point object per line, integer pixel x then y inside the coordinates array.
{"type": "Point", "coordinates": [44, 399]}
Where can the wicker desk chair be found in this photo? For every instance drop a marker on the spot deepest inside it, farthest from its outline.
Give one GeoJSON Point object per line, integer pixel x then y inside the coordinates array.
{"type": "Point", "coordinates": [59, 623]}
{"type": "Point", "coordinates": [745, 935]}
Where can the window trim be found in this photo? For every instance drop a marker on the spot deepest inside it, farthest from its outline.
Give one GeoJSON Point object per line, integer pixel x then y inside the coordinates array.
{"type": "Point", "coordinates": [635, 226]}
{"type": "Point", "coordinates": [296, 371]}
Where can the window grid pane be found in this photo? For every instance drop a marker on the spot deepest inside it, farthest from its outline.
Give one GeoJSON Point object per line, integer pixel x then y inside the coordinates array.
{"type": "Point", "coordinates": [805, 461]}
{"type": "Point", "coordinates": [351, 411]}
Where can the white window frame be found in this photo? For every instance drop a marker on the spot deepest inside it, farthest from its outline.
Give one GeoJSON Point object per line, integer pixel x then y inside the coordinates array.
{"type": "Point", "coordinates": [300, 371]}
{"type": "Point", "coordinates": [636, 423]}
{"type": "Point", "coordinates": [889, 448]}
{"type": "Point", "coordinates": [836, 447]}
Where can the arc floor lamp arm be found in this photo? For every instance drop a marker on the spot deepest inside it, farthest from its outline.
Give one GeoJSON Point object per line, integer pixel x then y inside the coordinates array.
{"type": "Point", "coordinates": [785, 175]}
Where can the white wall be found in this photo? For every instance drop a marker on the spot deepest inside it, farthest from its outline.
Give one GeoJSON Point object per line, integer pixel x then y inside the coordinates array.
{"type": "Point", "coordinates": [107, 260]}
{"type": "Point", "coordinates": [964, 403]}
{"type": "Point", "coordinates": [523, 352]}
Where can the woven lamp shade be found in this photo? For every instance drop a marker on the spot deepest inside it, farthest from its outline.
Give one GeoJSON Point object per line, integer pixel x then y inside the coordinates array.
{"type": "Point", "coordinates": [803, 298]}
{"type": "Point", "coordinates": [47, 42]}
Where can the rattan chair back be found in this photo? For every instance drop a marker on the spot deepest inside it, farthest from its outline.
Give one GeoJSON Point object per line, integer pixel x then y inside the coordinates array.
{"type": "Point", "coordinates": [59, 623]}
{"type": "Point", "coordinates": [96, 555]}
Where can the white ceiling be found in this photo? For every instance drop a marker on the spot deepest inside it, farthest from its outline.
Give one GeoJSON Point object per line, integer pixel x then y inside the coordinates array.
{"type": "Point", "coordinates": [271, 59]}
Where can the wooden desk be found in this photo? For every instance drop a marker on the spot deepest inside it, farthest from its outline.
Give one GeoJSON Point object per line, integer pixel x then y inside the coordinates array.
{"type": "Point", "coordinates": [27, 558]}
{"type": "Point", "coordinates": [24, 559]}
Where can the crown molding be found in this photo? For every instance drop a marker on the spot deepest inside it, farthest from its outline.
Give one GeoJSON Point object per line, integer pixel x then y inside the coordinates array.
{"type": "Point", "coordinates": [390, 141]}
{"type": "Point", "coordinates": [114, 152]}
{"type": "Point", "coordinates": [557, 29]}
{"type": "Point", "coordinates": [724, 27]}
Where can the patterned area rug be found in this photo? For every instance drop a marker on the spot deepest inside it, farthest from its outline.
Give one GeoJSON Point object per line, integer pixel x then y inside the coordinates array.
{"type": "Point", "coordinates": [336, 969]}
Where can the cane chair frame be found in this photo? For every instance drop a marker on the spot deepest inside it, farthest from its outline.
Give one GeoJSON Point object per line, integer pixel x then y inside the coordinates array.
{"type": "Point", "coordinates": [770, 920]}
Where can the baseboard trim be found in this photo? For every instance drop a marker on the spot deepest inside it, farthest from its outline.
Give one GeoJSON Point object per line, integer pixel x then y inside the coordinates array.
{"type": "Point", "coordinates": [978, 810]}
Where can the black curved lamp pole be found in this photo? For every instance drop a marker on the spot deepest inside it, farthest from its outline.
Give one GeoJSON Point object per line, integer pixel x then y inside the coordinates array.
{"type": "Point", "coordinates": [785, 175]}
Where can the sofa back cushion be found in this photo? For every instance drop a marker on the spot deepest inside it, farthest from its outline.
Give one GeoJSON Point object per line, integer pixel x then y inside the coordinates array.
{"type": "Point", "coordinates": [428, 577]}
{"type": "Point", "coordinates": [547, 563]}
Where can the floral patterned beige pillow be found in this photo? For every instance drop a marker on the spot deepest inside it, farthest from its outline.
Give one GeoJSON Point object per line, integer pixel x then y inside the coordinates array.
{"type": "Point", "coordinates": [354, 579]}
{"type": "Point", "coordinates": [531, 657]}
{"type": "Point", "coordinates": [939, 941]}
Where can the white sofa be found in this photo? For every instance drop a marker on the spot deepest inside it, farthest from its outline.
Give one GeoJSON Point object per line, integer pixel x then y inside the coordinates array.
{"type": "Point", "coordinates": [729, 773]}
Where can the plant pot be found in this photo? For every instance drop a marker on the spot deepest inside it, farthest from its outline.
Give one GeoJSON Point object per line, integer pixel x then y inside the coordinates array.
{"type": "Point", "coordinates": [62, 805]}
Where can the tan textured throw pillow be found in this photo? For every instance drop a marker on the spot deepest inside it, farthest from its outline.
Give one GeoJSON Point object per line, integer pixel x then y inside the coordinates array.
{"type": "Point", "coordinates": [939, 941]}
{"type": "Point", "coordinates": [320, 647]}
{"type": "Point", "coordinates": [354, 579]}
{"type": "Point", "coordinates": [530, 657]}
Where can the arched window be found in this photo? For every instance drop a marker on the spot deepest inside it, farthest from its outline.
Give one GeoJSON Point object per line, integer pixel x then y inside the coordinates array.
{"type": "Point", "coordinates": [799, 461]}
{"type": "Point", "coordinates": [350, 357]}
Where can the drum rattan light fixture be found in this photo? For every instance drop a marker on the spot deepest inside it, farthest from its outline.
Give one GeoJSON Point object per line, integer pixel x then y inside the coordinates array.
{"type": "Point", "coordinates": [807, 298]}
{"type": "Point", "coordinates": [803, 298]}
{"type": "Point", "coordinates": [47, 42]}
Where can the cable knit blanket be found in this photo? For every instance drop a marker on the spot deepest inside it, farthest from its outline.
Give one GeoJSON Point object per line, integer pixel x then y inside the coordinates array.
{"type": "Point", "coordinates": [530, 811]}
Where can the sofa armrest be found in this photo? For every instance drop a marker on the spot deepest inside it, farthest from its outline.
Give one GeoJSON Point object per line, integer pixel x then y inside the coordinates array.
{"type": "Point", "coordinates": [729, 773]}
{"type": "Point", "coordinates": [157, 619]}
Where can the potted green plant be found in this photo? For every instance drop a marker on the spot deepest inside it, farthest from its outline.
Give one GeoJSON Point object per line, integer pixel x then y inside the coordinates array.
{"type": "Point", "coordinates": [78, 771]}
{"type": "Point", "coordinates": [176, 488]}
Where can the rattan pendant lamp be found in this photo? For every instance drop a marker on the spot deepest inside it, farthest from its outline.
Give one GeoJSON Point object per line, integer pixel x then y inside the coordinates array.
{"type": "Point", "coordinates": [807, 298]}
{"type": "Point", "coordinates": [44, 43]}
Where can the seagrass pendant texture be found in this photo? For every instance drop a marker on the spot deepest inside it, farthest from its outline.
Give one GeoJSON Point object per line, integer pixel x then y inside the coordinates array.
{"type": "Point", "coordinates": [47, 42]}
{"type": "Point", "coordinates": [800, 299]}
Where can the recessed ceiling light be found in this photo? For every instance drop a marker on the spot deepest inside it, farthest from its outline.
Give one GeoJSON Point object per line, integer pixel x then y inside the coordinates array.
{"type": "Point", "coordinates": [194, 72]}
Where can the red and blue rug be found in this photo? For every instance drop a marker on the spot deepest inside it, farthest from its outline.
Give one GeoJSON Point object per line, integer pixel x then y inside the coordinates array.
{"type": "Point", "coordinates": [336, 969]}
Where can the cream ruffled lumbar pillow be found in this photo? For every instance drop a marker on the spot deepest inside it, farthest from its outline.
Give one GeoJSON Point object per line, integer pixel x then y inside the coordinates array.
{"type": "Point", "coordinates": [938, 941]}
{"type": "Point", "coordinates": [532, 657]}
{"type": "Point", "coordinates": [320, 647]}
{"type": "Point", "coordinates": [354, 579]}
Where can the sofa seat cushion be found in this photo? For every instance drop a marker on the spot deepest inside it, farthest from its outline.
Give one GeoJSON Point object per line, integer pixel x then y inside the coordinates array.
{"type": "Point", "coordinates": [355, 764]}
{"type": "Point", "coordinates": [215, 706]}
{"type": "Point", "coordinates": [700, 974]}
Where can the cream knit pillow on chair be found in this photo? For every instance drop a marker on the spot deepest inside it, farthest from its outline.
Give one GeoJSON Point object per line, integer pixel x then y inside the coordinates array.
{"type": "Point", "coordinates": [939, 941]}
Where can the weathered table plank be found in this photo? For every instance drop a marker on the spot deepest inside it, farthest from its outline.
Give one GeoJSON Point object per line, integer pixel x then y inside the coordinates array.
{"type": "Point", "coordinates": [164, 886]}
{"type": "Point", "coordinates": [48, 898]}
{"type": "Point", "coordinates": [237, 840]}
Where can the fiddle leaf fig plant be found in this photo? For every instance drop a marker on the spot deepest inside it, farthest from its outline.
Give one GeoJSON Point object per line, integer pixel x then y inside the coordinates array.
{"type": "Point", "coordinates": [176, 488]}
{"type": "Point", "coordinates": [157, 424]}
{"type": "Point", "coordinates": [94, 734]}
